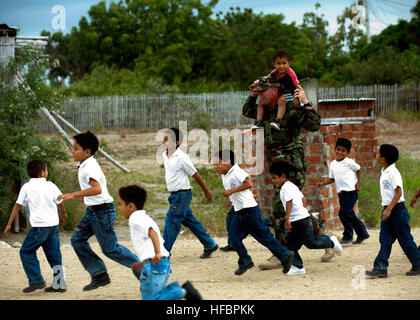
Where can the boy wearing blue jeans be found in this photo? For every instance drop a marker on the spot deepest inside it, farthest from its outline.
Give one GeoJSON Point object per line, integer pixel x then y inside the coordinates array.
{"type": "Point", "coordinates": [300, 230]}
{"type": "Point", "coordinates": [178, 167]}
{"type": "Point", "coordinates": [154, 262]}
{"type": "Point", "coordinates": [99, 217]}
{"type": "Point", "coordinates": [40, 195]}
{"type": "Point", "coordinates": [395, 217]}
{"type": "Point", "coordinates": [346, 174]}
{"type": "Point", "coordinates": [247, 218]}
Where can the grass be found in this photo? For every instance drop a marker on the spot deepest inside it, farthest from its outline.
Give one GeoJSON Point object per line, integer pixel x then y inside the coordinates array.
{"type": "Point", "coordinates": [369, 195]}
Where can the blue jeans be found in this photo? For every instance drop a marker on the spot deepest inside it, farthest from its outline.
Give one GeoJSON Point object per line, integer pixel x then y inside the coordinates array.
{"type": "Point", "coordinates": [49, 239]}
{"type": "Point", "coordinates": [303, 234]}
{"type": "Point", "coordinates": [348, 217]}
{"type": "Point", "coordinates": [229, 218]}
{"type": "Point", "coordinates": [180, 213]}
{"type": "Point", "coordinates": [396, 227]}
{"type": "Point", "coordinates": [250, 222]}
{"type": "Point", "coordinates": [101, 224]}
{"type": "Point", "coordinates": [153, 281]}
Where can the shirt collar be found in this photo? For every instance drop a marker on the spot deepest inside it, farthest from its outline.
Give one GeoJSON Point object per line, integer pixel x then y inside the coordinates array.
{"type": "Point", "coordinates": [83, 164]}
{"type": "Point", "coordinates": [37, 179]}
{"type": "Point", "coordinates": [389, 168]}
{"type": "Point", "coordinates": [176, 153]}
{"type": "Point", "coordinates": [232, 169]}
{"type": "Point", "coordinates": [137, 213]}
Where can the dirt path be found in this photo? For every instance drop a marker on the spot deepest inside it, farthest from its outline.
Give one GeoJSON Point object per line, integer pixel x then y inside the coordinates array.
{"type": "Point", "coordinates": [215, 279]}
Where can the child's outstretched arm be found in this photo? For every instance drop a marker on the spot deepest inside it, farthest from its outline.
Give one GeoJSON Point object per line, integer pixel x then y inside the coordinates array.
{"type": "Point", "coordinates": [386, 213]}
{"type": "Point", "coordinates": [359, 179]}
{"type": "Point", "coordinates": [63, 213]}
{"type": "Point", "coordinates": [156, 245]}
{"type": "Point", "coordinates": [15, 211]}
{"type": "Point", "coordinates": [203, 186]}
{"type": "Point", "coordinates": [247, 184]}
{"type": "Point", "coordinates": [414, 199]}
{"type": "Point", "coordinates": [325, 182]}
{"type": "Point", "coordinates": [92, 191]}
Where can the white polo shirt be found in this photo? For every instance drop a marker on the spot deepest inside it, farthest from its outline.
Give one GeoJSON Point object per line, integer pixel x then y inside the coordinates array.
{"type": "Point", "coordinates": [41, 197]}
{"type": "Point", "coordinates": [389, 181]}
{"type": "Point", "coordinates": [90, 169]}
{"type": "Point", "coordinates": [234, 178]}
{"type": "Point", "coordinates": [140, 223]}
{"type": "Point", "coordinates": [290, 191]}
{"type": "Point", "coordinates": [177, 169]}
{"type": "Point", "coordinates": [344, 174]}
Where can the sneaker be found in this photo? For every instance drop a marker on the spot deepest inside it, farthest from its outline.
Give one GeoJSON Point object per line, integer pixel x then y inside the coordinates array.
{"type": "Point", "coordinates": [346, 241]}
{"type": "Point", "coordinates": [271, 264]}
{"type": "Point", "coordinates": [258, 124]}
{"type": "Point", "coordinates": [98, 281]}
{"type": "Point", "coordinates": [413, 272]}
{"type": "Point", "coordinates": [228, 248]}
{"type": "Point", "coordinates": [276, 124]}
{"type": "Point", "coordinates": [242, 270]}
{"type": "Point", "coordinates": [33, 287]}
{"type": "Point", "coordinates": [296, 271]}
{"type": "Point", "coordinates": [328, 255]}
{"type": "Point", "coordinates": [360, 239]}
{"type": "Point", "coordinates": [287, 264]}
{"type": "Point", "coordinates": [207, 252]}
{"type": "Point", "coordinates": [337, 247]}
{"type": "Point", "coordinates": [192, 293]}
{"type": "Point", "coordinates": [376, 273]}
{"type": "Point", "coordinates": [51, 289]}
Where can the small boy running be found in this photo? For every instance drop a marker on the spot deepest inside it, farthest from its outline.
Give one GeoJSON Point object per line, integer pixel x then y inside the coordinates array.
{"type": "Point", "coordinates": [247, 218]}
{"type": "Point", "coordinates": [346, 174]}
{"type": "Point", "coordinates": [298, 222]}
{"type": "Point", "coordinates": [99, 217]}
{"type": "Point", "coordinates": [394, 218]}
{"type": "Point", "coordinates": [40, 195]}
{"type": "Point", "coordinates": [148, 243]}
{"type": "Point", "coordinates": [178, 166]}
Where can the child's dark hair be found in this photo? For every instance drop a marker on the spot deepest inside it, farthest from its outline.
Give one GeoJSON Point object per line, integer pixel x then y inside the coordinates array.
{"type": "Point", "coordinates": [343, 142]}
{"type": "Point", "coordinates": [178, 134]}
{"type": "Point", "coordinates": [281, 54]}
{"type": "Point", "coordinates": [279, 168]}
{"type": "Point", "coordinates": [134, 194]}
{"type": "Point", "coordinates": [35, 167]}
{"type": "Point", "coordinates": [225, 155]}
{"type": "Point", "coordinates": [87, 140]}
{"type": "Point", "coordinates": [389, 152]}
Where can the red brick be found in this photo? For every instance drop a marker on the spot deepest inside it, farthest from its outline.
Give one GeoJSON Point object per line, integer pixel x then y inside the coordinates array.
{"type": "Point", "coordinates": [368, 128]}
{"type": "Point", "coordinates": [315, 148]}
{"type": "Point", "coordinates": [325, 192]}
{"type": "Point", "coordinates": [313, 159]}
{"type": "Point", "coordinates": [368, 134]}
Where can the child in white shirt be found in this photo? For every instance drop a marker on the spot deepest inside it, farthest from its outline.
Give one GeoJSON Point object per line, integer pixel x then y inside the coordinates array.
{"type": "Point", "coordinates": [247, 218]}
{"type": "Point", "coordinates": [178, 167]}
{"type": "Point", "coordinates": [395, 217]}
{"type": "Point", "coordinates": [40, 195]}
{"type": "Point", "coordinates": [297, 220]}
{"type": "Point", "coordinates": [149, 246]}
{"type": "Point", "coordinates": [346, 174]}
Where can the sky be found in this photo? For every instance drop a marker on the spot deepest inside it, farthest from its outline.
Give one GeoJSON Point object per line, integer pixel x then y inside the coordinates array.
{"type": "Point", "coordinates": [33, 16]}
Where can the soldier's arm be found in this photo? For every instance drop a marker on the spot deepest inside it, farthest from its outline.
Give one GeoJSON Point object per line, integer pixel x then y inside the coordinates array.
{"type": "Point", "coordinates": [249, 108]}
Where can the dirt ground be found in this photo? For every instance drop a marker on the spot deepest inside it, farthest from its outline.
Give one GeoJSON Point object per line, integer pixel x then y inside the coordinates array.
{"type": "Point", "coordinates": [341, 278]}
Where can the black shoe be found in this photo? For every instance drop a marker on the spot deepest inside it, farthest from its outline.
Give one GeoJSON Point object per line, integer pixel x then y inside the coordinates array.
{"type": "Point", "coordinates": [207, 252]}
{"type": "Point", "coordinates": [360, 239]}
{"type": "Point", "coordinates": [287, 264]}
{"type": "Point", "coordinates": [258, 124]}
{"type": "Point", "coordinates": [242, 270]}
{"type": "Point", "coordinates": [97, 281]}
{"type": "Point", "coordinates": [375, 273]}
{"type": "Point", "coordinates": [346, 241]}
{"type": "Point", "coordinates": [192, 293]}
{"type": "Point", "coordinates": [228, 248]}
{"type": "Point", "coordinates": [276, 124]}
{"type": "Point", "coordinates": [51, 289]}
{"type": "Point", "coordinates": [413, 272]}
{"type": "Point", "coordinates": [33, 287]}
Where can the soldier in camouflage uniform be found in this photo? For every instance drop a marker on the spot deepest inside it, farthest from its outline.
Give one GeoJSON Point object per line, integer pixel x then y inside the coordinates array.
{"type": "Point", "coordinates": [284, 145]}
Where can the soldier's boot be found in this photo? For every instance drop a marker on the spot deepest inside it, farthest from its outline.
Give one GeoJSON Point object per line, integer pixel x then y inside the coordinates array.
{"type": "Point", "coordinates": [328, 255]}
{"type": "Point", "coordinates": [272, 263]}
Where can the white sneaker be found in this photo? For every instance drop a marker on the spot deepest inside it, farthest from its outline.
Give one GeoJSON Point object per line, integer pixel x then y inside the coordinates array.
{"type": "Point", "coordinates": [296, 271]}
{"type": "Point", "coordinates": [337, 246]}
